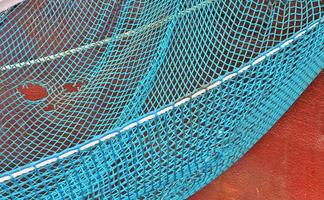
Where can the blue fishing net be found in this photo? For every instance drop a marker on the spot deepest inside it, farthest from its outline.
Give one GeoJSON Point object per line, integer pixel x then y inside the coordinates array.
{"type": "Point", "coordinates": [144, 99]}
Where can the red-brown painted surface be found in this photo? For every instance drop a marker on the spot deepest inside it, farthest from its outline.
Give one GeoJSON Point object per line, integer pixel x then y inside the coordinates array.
{"type": "Point", "coordinates": [287, 163]}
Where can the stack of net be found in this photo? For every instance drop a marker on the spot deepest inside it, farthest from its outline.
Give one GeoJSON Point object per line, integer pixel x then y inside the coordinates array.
{"type": "Point", "coordinates": [144, 99]}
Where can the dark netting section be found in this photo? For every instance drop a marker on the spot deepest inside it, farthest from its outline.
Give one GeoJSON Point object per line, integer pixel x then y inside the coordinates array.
{"type": "Point", "coordinates": [144, 99]}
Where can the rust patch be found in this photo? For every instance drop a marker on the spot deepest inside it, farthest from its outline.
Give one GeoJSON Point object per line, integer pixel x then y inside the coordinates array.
{"type": "Point", "coordinates": [33, 91]}
{"type": "Point", "coordinates": [49, 108]}
{"type": "Point", "coordinates": [72, 87]}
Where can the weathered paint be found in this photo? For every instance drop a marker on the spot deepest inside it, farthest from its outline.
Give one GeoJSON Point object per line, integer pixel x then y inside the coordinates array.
{"type": "Point", "coordinates": [287, 163]}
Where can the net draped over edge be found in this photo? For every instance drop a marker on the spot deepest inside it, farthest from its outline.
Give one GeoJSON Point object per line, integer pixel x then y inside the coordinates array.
{"type": "Point", "coordinates": [144, 99]}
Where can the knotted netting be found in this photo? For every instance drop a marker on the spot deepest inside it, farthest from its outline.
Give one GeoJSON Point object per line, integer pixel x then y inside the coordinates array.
{"type": "Point", "coordinates": [144, 99]}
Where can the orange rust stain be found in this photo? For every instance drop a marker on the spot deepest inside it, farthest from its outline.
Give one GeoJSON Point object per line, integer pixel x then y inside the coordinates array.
{"type": "Point", "coordinates": [49, 108]}
{"type": "Point", "coordinates": [33, 91]}
{"type": "Point", "coordinates": [72, 87]}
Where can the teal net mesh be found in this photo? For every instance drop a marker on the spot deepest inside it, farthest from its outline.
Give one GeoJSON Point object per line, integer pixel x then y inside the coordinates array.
{"type": "Point", "coordinates": [144, 99]}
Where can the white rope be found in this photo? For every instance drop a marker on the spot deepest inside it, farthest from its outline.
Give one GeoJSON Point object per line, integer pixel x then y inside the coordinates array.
{"type": "Point", "coordinates": [156, 24]}
{"type": "Point", "coordinates": [6, 4]}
